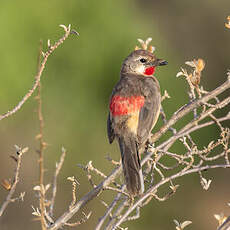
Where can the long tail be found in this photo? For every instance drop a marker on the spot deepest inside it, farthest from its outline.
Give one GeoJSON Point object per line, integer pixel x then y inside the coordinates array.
{"type": "Point", "coordinates": [131, 166]}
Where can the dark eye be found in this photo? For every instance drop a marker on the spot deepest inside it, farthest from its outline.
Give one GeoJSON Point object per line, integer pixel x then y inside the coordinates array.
{"type": "Point", "coordinates": [143, 60]}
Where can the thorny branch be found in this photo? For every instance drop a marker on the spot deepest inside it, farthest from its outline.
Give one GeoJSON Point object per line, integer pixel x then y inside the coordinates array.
{"type": "Point", "coordinates": [41, 67]}
{"type": "Point", "coordinates": [46, 55]}
{"type": "Point", "coordinates": [42, 143]}
{"type": "Point", "coordinates": [45, 218]}
{"type": "Point", "coordinates": [7, 185]}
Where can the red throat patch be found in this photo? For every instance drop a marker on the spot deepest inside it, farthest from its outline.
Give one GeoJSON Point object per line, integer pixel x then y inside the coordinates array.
{"type": "Point", "coordinates": [150, 70]}
{"type": "Point", "coordinates": [125, 105]}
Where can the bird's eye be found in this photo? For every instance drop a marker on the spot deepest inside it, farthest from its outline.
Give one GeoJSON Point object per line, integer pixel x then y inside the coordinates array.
{"type": "Point", "coordinates": [143, 60]}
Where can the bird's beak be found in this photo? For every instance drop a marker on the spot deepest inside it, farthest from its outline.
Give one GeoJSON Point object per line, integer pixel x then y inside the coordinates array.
{"type": "Point", "coordinates": [161, 62]}
{"type": "Point", "coordinates": [158, 62]}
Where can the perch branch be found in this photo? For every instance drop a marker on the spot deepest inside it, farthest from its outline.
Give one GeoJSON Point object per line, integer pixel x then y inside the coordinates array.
{"type": "Point", "coordinates": [155, 187]}
{"type": "Point", "coordinates": [176, 116]}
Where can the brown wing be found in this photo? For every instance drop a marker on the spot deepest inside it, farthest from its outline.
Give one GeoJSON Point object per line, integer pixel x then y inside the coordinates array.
{"type": "Point", "coordinates": [150, 111]}
{"type": "Point", "coordinates": [110, 131]}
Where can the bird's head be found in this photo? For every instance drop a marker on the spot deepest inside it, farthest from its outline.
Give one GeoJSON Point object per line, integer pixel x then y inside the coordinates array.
{"type": "Point", "coordinates": [141, 62]}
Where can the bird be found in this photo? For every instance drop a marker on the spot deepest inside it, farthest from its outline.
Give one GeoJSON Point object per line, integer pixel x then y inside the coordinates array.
{"type": "Point", "coordinates": [134, 108]}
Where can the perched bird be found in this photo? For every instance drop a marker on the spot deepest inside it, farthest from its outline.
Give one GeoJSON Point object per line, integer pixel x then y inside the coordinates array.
{"type": "Point", "coordinates": [133, 111]}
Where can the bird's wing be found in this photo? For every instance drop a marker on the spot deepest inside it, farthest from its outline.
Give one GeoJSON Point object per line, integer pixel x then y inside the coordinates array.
{"type": "Point", "coordinates": [149, 113]}
{"type": "Point", "coordinates": [118, 89]}
{"type": "Point", "coordinates": [110, 131]}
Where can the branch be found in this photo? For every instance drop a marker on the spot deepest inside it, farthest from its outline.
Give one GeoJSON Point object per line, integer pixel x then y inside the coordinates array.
{"type": "Point", "coordinates": [58, 168]}
{"type": "Point", "coordinates": [109, 210]}
{"type": "Point", "coordinates": [177, 116]}
{"type": "Point", "coordinates": [85, 199]}
{"type": "Point", "coordinates": [12, 187]}
{"type": "Point", "coordinates": [46, 55]}
{"type": "Point", "coordinates": [189, 107]}
{"type": "Point", "coordinates": [42, 213]}
{"type": "Point", "coordinates": [164, 181]}
{"type": "Point", "coordinates": [189, 127]}
{"type": "Point", "coordinates": [41, 159]}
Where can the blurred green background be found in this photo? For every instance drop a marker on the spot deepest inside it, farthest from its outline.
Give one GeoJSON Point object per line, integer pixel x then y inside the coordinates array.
{"type": "Point", "coordinates": [76, 86]}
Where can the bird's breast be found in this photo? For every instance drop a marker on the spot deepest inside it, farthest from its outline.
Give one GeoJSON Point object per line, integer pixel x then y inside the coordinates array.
{"type": "Point", "coordinates": [125, 112]}
{"type": "Point", "coordinates": [132, 122]}
{"type": "Point", "coordinates": [120, 105]}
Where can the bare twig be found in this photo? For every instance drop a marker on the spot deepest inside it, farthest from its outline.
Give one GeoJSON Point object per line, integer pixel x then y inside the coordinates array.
{"type": "Point", "coordinates": [116, 163]}
{"type": "Point", "coordinates": [44, 217]}
{"type": "Point", "coordinates": [81, 221]}
{"type": "Point", "coordinates": [189, 126]}
{"type": "Point", "coordinates": [12, 187]}
{"type": "Point", "coordinates": [58, 168]}
{"type": "Point", "coordinates": [155, 187]}
{"type": "Point", "coordinates": [189, 107]}
{"type": "Point", "coordinates": [117, 214]}
{"type": "Point", "coordinates": [226, 224]}
{"type": "Point", "coordinates": [74, 188]}
{"type": "Point", "coordinates": [109, 210]}
{"type": "Point", "coordinates": [163, 117]}
{"type": "Point", "coordinates": [41, 159]}
{"type": "Point", "coordinates": [117, 190]}
{"type": "Point", "coordinates": [85, 199]}
{"type": "Point", "coordinates": [40, 71]}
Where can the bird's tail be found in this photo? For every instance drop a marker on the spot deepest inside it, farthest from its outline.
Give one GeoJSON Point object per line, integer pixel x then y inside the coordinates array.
{"type": "Point", "coordinates": [131, 166]}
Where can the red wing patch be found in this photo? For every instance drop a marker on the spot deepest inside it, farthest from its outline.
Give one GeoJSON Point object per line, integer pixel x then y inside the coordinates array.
{"type": "Point", "coordinates": [125, 105]}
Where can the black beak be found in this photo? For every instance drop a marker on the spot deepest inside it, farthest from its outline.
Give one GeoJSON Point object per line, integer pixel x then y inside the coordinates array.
{"type": "Point", "coordinates": [158, 62]}
{"type": "Point", "coordinates": [162, 62]}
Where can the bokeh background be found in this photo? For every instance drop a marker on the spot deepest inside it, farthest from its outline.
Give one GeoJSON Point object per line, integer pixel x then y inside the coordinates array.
{"type": "Point", "coordinates": [76, 85]}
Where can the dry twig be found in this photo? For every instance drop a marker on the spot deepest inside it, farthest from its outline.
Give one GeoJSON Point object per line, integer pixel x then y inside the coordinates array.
{"type": "Point", "coordinates": [46, 55]}
{"type": "Point", "coordinates": [40, 137]}
{"type": "Point", "coordinates": [42, 213]}
{"type": "Point", "coordinates": [74, 188]}
{"type": "Point", "coordinates": [54, 191]}
{"type": "Point", "coordinates": [12, 187]}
